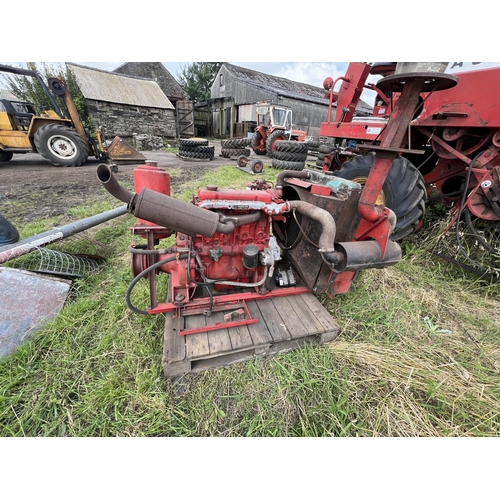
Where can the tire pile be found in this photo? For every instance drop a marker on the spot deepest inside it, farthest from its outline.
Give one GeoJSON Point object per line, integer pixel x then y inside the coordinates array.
{"type": "Point", "coordinates": [196, 148]}
{"type": "Point", "coordinates": [290, 155]}
{"type": "Point", "coordinates": [233, 148]}
{"type": "Point", "coordinates": [323, 150]}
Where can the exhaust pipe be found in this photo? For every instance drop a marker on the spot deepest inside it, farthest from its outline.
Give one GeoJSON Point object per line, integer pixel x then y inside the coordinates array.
{"type": "Point", "coordinates": [326, 241]}
{"type": "Point", "coordinates": [158, 208]}
{"type": "Point", "coordinates": [112, 187]}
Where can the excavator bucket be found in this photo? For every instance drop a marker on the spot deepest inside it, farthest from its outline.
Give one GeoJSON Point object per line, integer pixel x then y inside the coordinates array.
{"type": "Point", "coordinates": [121, 150]}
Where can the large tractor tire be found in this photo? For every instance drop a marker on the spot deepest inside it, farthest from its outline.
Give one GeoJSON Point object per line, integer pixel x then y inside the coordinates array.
{"type": "Point", "coordinates": [403, 191]}
{"type": "Point", "coordinates": [292, 147]}
{"type": "Point", "coordinates": [6, 155]}
{"type": "Point", "coordinates": [199, 152]}
{"type": "Point", "coordinates": [286, 156]}
{"type": "Point", "coordinates": [253, 144]}
{"type": "Point", "coordinates": [235, 143]}
{"type": "Point", "coordinates": [287, 165]}
{"type": "Point", "coordinates": [274, 137]}
{"type": "Point", "coordinates": [192, 143]}
{"type": "Point", "coordinates": [234, 153]}
{"type": "Point", "coordinates": [61, 146]}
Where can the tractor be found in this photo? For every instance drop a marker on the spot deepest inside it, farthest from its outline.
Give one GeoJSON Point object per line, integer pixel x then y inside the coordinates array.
{"type": "Point", "coordinates": [64, 142]}
{"type": "Point", "coordinates": [450, 150]}
{"type": "Point", "coordinates": [274, 123]}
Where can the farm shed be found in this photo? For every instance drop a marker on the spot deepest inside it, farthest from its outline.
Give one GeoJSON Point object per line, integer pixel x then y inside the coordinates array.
{"type": "Point", "coordinates": [236, 89]}
{"type": "Point", "coordinates": [125, 105]}
{"type": "Point", "coordinates": [155, 71]}
{"type": "Point", "coordinates": [171, 88]}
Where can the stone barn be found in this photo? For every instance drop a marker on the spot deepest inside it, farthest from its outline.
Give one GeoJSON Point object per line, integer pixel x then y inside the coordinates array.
{"type": "Point", "coordinates": [171, 88]}
{"type": "Point", "coordinates": [235, 91]}
{"type": "Point", "coordinates": [155, 71]}
{"type": "Point", "coordinates": [124, 105]}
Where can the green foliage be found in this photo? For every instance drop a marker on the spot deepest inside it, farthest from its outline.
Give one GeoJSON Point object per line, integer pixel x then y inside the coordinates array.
{"type": "Point", "coordinates": [197, 78]}
{"type": "Point", "coordinates": [29, 89]}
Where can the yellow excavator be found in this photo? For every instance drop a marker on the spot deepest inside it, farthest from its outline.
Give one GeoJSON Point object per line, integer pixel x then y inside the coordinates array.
{"type": "Point", "coordinates": [63, 141]}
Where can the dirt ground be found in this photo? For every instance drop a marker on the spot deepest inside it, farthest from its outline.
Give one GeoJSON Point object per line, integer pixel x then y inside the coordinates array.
{"type": "Point", "coordinates": [31, 188]}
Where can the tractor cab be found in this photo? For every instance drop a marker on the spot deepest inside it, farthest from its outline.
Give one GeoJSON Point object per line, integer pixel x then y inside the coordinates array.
{"type": "Point", "coordinates": [274, 117]}
{"type": "Point", "coordinates": [18, 113]}
{"type": "Point", "coordinates": [274, 123]}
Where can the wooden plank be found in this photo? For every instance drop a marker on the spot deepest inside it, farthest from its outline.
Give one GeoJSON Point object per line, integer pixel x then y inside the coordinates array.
{"type": "Point", "coordinates": [196, 343]}
{"type": "Point", "coordinates": [218, 340]}
{"type": "Point", "coordinates": [284, 324]}
{"type": "Point", "coordinates": [311, 323]}
{"type": "Point", "coordinates": [319, 311]}
{"type": "Point", "coordinates": [258, 331]}
{"type": "Point", "coordinates": [290, 318]}
{"type": "Point", "coordinates": [273, 320]}
{"type": "Point", "coordinates": [174, 346]}
{"type": "Point", "coordinates": [269, 321]}
{"type": "Point", "coordinates": [240, 337]}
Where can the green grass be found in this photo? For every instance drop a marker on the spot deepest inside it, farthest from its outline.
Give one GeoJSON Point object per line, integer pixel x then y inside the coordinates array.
{"type": "Point", "coordinates": [418, 355]}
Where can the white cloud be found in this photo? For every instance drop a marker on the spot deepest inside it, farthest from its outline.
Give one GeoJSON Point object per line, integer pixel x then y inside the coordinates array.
{"type": "Point", "coordinates": [313, 73]}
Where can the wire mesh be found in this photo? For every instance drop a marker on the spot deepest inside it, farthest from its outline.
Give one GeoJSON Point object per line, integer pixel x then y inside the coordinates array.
{"type": "Point", "coordinates": [76, 256]}
{"type": "Point", "coordinates": [45, 260]}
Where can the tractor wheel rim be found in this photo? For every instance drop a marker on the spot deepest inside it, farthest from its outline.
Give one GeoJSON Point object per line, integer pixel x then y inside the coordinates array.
{"type": "Point", "coordinates": [380, 198]}
{"type": "Point", "coordinates": [62, 147]}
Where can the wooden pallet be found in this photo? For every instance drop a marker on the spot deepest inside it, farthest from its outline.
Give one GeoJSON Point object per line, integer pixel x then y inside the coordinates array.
{"type": "Point", "coordinates": [284, 323]}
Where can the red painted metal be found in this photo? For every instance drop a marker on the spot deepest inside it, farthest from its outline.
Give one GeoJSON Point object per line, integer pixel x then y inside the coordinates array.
{"type": "Point", "coordinates": [204, 302]}
{"type": "Point", "coordinates": [238, 308]}
{"type": "Point", "coordinates": [234, 194]}
{"type": "Point", "coordinates": [461, 124]}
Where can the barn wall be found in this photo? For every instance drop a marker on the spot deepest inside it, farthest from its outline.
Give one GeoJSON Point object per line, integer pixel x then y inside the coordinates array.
{"type": "Point", "coordinates": [123, 120]}
{"type": "Point", "coordinates": [307, 116]}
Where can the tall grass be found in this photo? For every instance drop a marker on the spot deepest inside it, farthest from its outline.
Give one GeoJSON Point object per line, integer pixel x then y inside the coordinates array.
{"type": "Point", "coordinates": [418, 355]}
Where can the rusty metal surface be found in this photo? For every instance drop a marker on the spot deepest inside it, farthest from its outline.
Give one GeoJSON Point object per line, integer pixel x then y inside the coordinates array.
{"type": "Point", "coordinates": [27, 300]}
{"type": "Point", "coordinates": [121, 150]}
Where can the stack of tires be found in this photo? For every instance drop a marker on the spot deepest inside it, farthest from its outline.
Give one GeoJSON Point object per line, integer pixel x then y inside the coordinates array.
{"type": "Point", "coordinates": [312, 147]}
{"type": "Point", "coordinates": [290, 155]}
{"type": "Point", "coordinates": [233, 148]}
{"type": "Point", "coordinates": [196, 148]}
{"type": "Point", "coordinates": [323, 150]}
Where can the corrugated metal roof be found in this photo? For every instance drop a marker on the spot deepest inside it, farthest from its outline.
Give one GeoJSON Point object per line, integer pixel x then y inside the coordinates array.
{"type": "Point", "coordinates": [286, 87]}
{"type": "Point", "coordinates": [104, 86]}
{"type": "Point", "coordinates": [154, 71]}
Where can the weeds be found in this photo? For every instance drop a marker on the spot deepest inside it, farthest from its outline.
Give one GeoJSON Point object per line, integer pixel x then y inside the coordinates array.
{"type": "Point", "coordinates": [418, 355]}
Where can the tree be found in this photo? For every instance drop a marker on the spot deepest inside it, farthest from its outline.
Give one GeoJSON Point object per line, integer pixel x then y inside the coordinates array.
{"type": "Point", "coordinates": [197, 78]}
{"type": "Point", "coordinates": [28, 89]}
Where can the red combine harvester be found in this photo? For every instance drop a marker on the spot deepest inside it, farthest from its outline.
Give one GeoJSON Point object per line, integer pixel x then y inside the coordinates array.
{"type": "Point", "coordinates": [450, 151]}
{"type": "Point", "coordinates": [309, 232]}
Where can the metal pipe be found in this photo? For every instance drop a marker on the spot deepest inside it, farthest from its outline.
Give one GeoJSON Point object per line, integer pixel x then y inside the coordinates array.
{"type": "Point", "coordinates": [297, 174]}
{"type": "Point", "coordinates": [113, 187]}
{"type": "Point", "coordinates": [166, 211]}
{"type": "Point", "coordinates": [326, 241]}
{"type": "Point", "coordinates": [27, 245]}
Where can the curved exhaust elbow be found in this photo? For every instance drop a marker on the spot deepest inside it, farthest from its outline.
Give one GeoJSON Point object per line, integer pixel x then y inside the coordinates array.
{"type": "Point", "coordinates": [112, 187]}
{"type": "Point", "coordinates": [326, 241]}
{"type": "Point", "coordinates": [300, 174]}
{"type": "Point", "coordinates": [225, 227]}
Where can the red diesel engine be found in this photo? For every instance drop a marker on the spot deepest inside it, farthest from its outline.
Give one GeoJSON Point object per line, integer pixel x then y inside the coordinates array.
{"type": "Point", "coordinates": [234, 245]}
